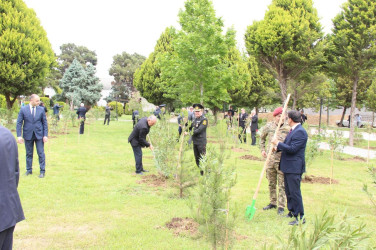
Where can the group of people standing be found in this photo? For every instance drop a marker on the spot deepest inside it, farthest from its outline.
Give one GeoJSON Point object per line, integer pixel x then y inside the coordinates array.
{"type": "Point", "coordinates": [242, 121]}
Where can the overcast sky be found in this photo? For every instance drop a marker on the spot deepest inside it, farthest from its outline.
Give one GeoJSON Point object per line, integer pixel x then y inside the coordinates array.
{"type": "Point", "coordinates": [112, 26]}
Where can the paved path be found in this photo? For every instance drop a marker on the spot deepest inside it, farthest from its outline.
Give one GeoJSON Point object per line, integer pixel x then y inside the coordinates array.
{"type": "Point", "coordinates": [352, 150]}
{"type": "Point", "coordinates": [346, 134]}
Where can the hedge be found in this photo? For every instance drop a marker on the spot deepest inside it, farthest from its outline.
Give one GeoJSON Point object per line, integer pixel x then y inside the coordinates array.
{"type": "Point", "coordinates": [119, 108]}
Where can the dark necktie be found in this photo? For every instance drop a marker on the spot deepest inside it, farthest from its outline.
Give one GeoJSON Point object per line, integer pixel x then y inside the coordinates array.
{"type": "Point", "coordinates": [33, 113]}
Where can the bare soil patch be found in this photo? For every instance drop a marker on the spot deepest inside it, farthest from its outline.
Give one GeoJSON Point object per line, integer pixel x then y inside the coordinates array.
{"type": "Point", "coordinates": [153, 180]}
{"type": "Point", "coordinates": [357, 158]}
{"type": "Point", "coordinates": [318, 179]}
{"type": "Point", "coordinates": [251, 157]}
{"type": "Point", "coordinates": [239, 150]}
{"type": "Point", "coordinates": [183, 226]}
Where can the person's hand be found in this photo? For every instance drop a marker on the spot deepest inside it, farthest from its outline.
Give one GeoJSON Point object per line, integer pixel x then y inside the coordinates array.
{"type": "Point", "coordinates": [264, 154]}
{"type": "Point", "coordinates": [45, 139]}
{"type": "Point", "coordinates": [20, 140]}
{"type": "Point", "coordinates": [151, 147]}
{"type": "Point", "coordinates": [275, 141]}
{"type": "Point", "coordinates": [185, 133]}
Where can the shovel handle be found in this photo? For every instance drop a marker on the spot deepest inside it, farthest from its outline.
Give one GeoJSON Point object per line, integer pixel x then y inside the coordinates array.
{"type": "Point", "coordinates": [271, 148]}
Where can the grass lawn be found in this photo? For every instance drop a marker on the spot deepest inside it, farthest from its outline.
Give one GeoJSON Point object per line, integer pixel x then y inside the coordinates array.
{"type": "Point", "coordinates": [91, 198]}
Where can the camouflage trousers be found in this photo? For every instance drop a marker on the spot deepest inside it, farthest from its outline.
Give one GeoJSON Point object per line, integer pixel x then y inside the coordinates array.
{"type": "Point", "coordinates": [275, 177]}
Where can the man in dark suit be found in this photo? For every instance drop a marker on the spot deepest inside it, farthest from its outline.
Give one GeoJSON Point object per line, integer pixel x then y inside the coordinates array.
{"type": "Point", "coordinates": [10, 204]}
{"type": "Point", "coordinates": [32, 123]}
{"type": "Point", "coordinates": [138, 140]}
{"type": "Point", "coordinates": [254, 127]}
{"type": "Point", "coordinates": [107, 114]}
{"type": "Point", "coordinates": [293, 165]}
{"type": "Point", "coordinates": [243, 126]}
{"type": "Point", "coordinates": [81, 113]}
{"type": "Point", "coordinates": [56, 110]}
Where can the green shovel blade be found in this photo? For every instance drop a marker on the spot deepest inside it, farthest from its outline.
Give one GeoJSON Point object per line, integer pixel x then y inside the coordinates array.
{"type": "Point", "coordinates": [250, 211]}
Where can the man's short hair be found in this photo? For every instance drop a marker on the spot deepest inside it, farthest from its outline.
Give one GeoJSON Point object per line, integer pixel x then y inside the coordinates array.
{"type": "Point", "coordinates": [82, 104]}
{"type": "Point", "coordinates": [294, 115]}
{"type": "Point", "coordinates": [33, 96]}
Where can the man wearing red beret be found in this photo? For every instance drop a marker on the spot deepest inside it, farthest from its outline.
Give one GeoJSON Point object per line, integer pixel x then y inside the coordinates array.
{"type": "Point", "coordinates": [273, 174]}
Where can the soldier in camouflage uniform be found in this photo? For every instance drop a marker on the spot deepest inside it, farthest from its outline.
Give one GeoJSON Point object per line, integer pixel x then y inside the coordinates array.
{"type": "Point", "coordinates": [273, 174]}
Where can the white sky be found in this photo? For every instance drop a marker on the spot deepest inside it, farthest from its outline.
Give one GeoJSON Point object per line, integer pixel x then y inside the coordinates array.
{"type": "Point", "coordinates": [112, 26]}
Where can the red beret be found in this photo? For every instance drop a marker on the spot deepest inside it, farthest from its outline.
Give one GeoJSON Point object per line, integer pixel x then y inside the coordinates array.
{"type": "Point", "coordinates": [277, 111]}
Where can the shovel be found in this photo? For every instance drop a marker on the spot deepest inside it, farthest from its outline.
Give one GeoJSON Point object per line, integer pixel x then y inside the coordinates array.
{"type": "Point", "coordinates": [251, 209]}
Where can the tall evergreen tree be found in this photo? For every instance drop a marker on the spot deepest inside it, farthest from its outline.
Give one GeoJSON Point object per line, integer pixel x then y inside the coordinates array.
{"type": "Point", "coordinates": [71, 51]}
{"type": "Point", "coordinates": [196, 70]}
{"type": "Point", "coordinates": [353, 50]}
{"type": "Point", "coordinates": [286, 42]}
{"type": "Point", "coordinates": [26, 55]}
{"type": "Point", "coordinates": [123, 69]}
{"type": "Point", "coordinates": [80, 85]}
{"type": "Point", "coordinates": [147, 78]}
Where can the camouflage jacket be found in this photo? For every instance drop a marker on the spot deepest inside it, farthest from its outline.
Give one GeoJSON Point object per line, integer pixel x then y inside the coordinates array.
{"type": "Point", "coordinates": [268, 131]}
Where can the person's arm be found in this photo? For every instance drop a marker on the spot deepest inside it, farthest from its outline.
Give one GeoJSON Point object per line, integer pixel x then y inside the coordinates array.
{"type": "Point", "coordinates": [17, 166]}
{"type": "Point", "coordinates": [142, 138]}
{"type": "Point", "coordinates": [297, 142]}
{"type": "Point", "coordinates": [201, 127]}
{"type": "Point", "coordinates": [45, 127]}
{"type": "Point", "coordinates": [264, 134]}
{"type": "Point", "coordinates": [20, 121]}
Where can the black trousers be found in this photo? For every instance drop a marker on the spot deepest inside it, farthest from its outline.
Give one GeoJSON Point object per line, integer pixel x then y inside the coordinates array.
{"type": "Point", "coordinates": [294, 195]}
{"type": "Point", "coordinates": [253, 135]}
{"type": "Point", "coordinates": [137, 151]}
{"type": "Point", "coordinates": [82, 126]}
{"type": "Point", "coordinates": [106, 117]}
{"type": "Point", "coordinates": [6, 239]}
{"type": "Point", "coordinates": [199, 151]}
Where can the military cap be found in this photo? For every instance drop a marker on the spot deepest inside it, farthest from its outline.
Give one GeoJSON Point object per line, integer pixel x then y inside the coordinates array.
{"type": "Point", "coordinates": [197, 107]}
{"type": "Point", "coordinates": [278, 111]}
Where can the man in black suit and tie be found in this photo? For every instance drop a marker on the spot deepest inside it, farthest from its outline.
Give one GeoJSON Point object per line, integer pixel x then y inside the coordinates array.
{"type": "Point", "coordinates": [32, 123]}
{"type": "Point", "coordinates": [293, 165]}
{"type": "Point", "coordinates": [138, 140]}
{"type": "Point", "coordinates": [10, 204]}
{"type": "Point", "coordinates": [81, 113]}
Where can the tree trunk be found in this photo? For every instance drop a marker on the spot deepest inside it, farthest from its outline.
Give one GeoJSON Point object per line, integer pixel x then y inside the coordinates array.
{"type": "Point", "coordinates": [283, 85]}
{"type": "Point", "coordinates": [257, 110]}
{"type": "Point", "coordinates": [294, 99]}
{"type": "Point", "coordinates": [327, 114]}
{"type": "Point", "coordinates": [215, 111]}
{"type": "Point", "coordinates": [202, 94]}
{"type": "Point", "coordinates": [71, 105]}
{"type": "Point", "coordinates": [353, 106]}
{"type": "Point", "coordinates": [9, 101]}
{"type": "Point", "coordinates": [343, 115]}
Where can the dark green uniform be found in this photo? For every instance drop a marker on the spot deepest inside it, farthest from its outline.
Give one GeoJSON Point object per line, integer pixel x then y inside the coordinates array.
{"type": "Point", "coordinates": [199, 126]}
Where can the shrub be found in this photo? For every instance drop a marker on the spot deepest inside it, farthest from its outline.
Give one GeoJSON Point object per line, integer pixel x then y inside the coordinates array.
{"type": "Point", "coordinates": [119, 108]}
{"type": "Point", "coordinates": [128, 110]}
{"type": "Point", "coordinates": [45, 100]}
{"type": "Point", "coordinates": [3, 102]}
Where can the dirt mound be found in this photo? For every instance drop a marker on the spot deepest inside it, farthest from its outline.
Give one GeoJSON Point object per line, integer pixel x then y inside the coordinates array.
{"type": "Point", "coordinates": [250, 157]}
{"type": "Point", "coordinates": [318, 179]}
{"type": "Point", "coordinates": [357, 158]}
{"type": "Point", "coordinates": [183, 226]}
{"type": "Point", "coordinates": [153, 180]}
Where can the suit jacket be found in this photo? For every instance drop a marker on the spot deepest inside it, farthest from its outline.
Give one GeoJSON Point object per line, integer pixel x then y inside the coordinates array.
{"type": "Point", "coordinates": [254, 123]}
{"type": "Point", "coordinates": [199, 126]}
{"type": "Point", "coordinates": [29, 124]}
{"type": "Point", "coordinates": [56, 109]}
{"type": "Point", "coordinates": [10, 205]}
{"type": "Point", "coordinates": [138, 136]}
{"type": "Point", "coordinates": [293, 151]}
{"type": "Point", "coordinates": [81, 112]}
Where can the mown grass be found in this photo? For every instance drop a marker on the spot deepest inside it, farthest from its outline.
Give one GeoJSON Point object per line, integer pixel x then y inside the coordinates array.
{"type": "Point", "coordinates": [91, 198]}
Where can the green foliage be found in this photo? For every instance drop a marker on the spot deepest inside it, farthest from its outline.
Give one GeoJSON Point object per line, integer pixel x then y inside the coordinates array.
{"type": "Point", "coordinates": [80, 85]}
{"type": "Point", "coordinates": [118, 110]}
{"type": "Point", "coordinates": [123, 69]}
{"type": "Point", "coordinates": [336, 142]}
{"type": "Point", "coordinates": [45, 100]}
{"type": "Point", "coordinates": [286, 41]}
{"type": "Point", "coordinates": [163, 137]}
{"type": "Point", "coordinates": [196, 69]}
{"type": "Point", "coordinates": [127, 110]}
{"type": "Point", "coordinates": [3, 102]}
{"type": "Point", "coordinates": [371, 96]}
{"type": "Point", "coordinates": [25, 52]}
{"type": "Point", "coordinates": [211, 209]}
{"type": "Point", "coordinates": [368, 191]}
{"type": "Point", "coordinates": [147, 78]}
{"type": "Point", "coordinates": [327, 234]}
{"type": "Point", "coordinates": [70, 52]}
{"type": "Point", "coordinates": [312, 150]}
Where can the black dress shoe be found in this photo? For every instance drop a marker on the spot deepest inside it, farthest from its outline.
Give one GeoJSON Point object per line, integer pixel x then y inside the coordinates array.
{"type": "Point", "coordinates": [281, 210]}
{"type": "Point", "coordinates": [270, 206]}
{"type": "Point", "coordinates": [145, 171]}
{"type": "Point", "coordinates": [289, 215]}
{"type": "Point", "coordinates": [28, 173]}
{"type": "Point", "coordinates": [41, 175]}
{"type": "Point", "coordinates": [296, 222]}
